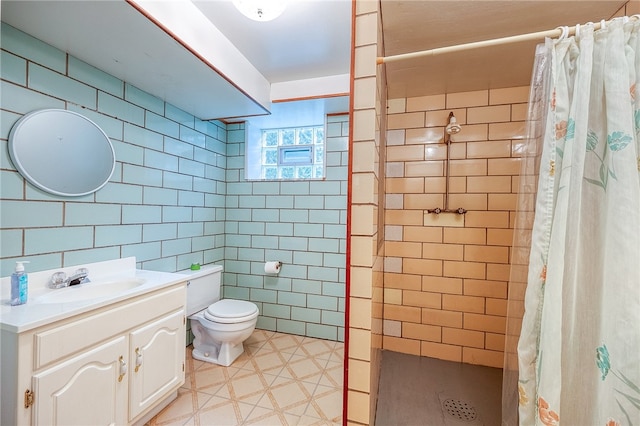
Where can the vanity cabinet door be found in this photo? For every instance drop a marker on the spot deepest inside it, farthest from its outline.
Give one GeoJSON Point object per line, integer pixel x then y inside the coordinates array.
{"type": "Point", "coordinates": [157, 352]}
{"type": "Point", "coordinates": [87, 389]}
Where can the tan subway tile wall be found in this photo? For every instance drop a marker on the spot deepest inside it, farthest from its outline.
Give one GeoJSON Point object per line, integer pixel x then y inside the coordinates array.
{"type": "Point", "coordinates": [366, 274]}
{"type": "Point", "coordinates": [446, 275]}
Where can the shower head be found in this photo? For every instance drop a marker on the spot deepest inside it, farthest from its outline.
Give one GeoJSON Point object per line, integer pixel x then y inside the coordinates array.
{"type": "Point", "coordinates": [453, 127]}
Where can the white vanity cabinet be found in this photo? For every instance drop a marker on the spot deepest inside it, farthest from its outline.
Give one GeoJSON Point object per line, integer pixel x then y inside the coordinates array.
{"type": "Point", "coordinates": [83, 389]}
{"type": "Point", "coordinates": [157, 361]}
{"type": "Point", "coordinates": [110, 366]}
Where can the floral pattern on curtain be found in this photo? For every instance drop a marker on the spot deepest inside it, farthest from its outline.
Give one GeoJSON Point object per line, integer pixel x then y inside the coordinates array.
{"type": "Point", "coordinates": [579, 349]}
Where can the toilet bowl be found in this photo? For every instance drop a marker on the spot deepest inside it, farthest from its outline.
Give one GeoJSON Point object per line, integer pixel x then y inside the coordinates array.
{"type": "Point", "coordinates": [219, 326]}
{"type": "Point", "coordinates": [221, 329]}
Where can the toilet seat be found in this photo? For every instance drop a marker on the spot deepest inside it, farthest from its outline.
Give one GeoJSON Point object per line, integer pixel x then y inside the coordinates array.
{"type": "Point", "coordinates": [228, 311]}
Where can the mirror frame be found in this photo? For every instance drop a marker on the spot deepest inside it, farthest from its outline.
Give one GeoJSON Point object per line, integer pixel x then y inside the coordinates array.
{"type": "Point", "coordinates": [82, 159]}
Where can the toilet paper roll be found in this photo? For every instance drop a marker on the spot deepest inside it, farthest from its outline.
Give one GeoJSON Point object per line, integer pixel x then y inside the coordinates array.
{"type": "Point", "coordinates": [272, 267]}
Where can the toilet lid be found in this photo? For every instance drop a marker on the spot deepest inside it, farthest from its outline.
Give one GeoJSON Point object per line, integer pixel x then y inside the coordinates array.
{"type": "Point", "coordinates": [230, 310]}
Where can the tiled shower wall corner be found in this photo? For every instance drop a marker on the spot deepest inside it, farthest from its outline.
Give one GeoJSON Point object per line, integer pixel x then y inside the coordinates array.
{"type": "Point", "coordinates": [446, 276]}
{"type": "Point", "coordinates": [366, 255]}
{"type": "Point", "coordinates": [300, 223]}
{"type": "Point", "coordinates": [165, 202]}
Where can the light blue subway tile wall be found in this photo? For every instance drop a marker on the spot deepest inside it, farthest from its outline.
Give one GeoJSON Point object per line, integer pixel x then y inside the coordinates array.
{"type": "Point", "coordinates": [290, 326]}
{"type": "Point", "coordinates": [192, 137]}
{"type": "Point", "coordinates": [302, 224]}
{"type": "Point", "coordinates": [22, 100]}
{"type": "Point", "coordinates": [60, 86]}
{"type": "Point", "coordinates": [32, 49]}
{"type": "Point", "coordinates": [11, 242]}
{"type": "Point", "coordinates": [115, 235]}
{"type": "Point", "coordinates": [145, 100]}
{"type": "Point", "coordinates": [94, 77]}
{"type": "Point", "coordinates": [141, 214]}
{"type": "Point", "coordinates": [161, 125]}
{"type": "Point", "coordinates": [328, 332]}
{"type": "Point", "coordinates": [180, 116]}
{"type": "Point", "coordinates": [6, 122]}
{"type": "Point", "coordinates": [207, 157]}
{"type": "Point", "coordinates": [159, 232]}
{"type": "Point", "coordinates": [50, 240]}
{"type": "Point", "coordinates": [142, 137]}
{"type": "Point", "coordinates": [192, 229]}
{"type": "Point", "coordinates": [30, 214]}
{"type": "Point", "coordinates": [117, 107]}
{"type": "Point", "coordinates": [175, 147]}
{"type": "Point", "coordinates": [119, 193]}
{"type": "Point", "coordinates": [112, 126]}
{"type": "Point", "coordinates": [11, 184]}
{"type": "Point", "coordinates": [13, 68]}
{"type": "Point", "coordinates": [133, 153]}
{"type": "Point", "coordinates": [160, 160]}
{"type": "Point", "coordinates": [143, 176]}
{"type": "Point", "coordinates": [164, 204]}
{"type": "Point", "coordinates": [175, 247]}
{"type": "Point", "coordinates": [189, 167]}
{"type": "Point", "coordinates": [76, 214]}
{"type": "Point", "coordinates": [177, 181]}
{"type": "Point", "coordinates": [91, 255]}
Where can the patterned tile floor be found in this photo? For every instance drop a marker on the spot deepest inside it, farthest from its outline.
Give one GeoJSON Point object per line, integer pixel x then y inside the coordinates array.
{"type": "Point", "coordinates": [281, 379]}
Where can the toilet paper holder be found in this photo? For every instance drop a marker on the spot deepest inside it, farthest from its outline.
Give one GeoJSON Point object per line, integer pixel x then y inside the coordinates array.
{"type": "Point", "coordinates": [272, 267]}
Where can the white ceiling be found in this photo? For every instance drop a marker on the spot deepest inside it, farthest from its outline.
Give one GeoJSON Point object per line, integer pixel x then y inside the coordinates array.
{"type": "Point", "coordinates": [410, 26]}
{"type": "Point", "coordinates": [234, 75]}
{"type": "Point", "coordinates": [310, 39]}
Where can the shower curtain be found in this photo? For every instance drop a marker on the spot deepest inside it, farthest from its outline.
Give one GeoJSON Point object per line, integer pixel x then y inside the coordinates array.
{"type": "Point", "coordinates": [521, 247]}
{"type": "Point", "coordinates": [579, 346]}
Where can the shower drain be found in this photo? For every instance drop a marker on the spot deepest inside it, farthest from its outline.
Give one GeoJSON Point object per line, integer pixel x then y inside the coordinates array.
{"type": "Point", "coordinates": [461, 410]}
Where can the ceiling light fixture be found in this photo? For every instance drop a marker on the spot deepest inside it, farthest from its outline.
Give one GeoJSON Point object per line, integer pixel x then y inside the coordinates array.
{"type": "Point", "coordinates": [260, 10]}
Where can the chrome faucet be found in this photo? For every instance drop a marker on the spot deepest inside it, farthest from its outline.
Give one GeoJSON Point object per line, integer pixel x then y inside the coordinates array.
{"type": "Point", "coordinates": [60, 279]}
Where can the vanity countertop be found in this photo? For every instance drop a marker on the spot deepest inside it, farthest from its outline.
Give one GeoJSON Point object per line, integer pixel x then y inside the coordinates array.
{"type": "Point", "coordinates": [42, 309]}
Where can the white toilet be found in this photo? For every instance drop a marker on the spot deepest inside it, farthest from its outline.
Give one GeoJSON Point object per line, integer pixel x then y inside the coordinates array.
{"type": "Point", "coordinates": [219, 326]}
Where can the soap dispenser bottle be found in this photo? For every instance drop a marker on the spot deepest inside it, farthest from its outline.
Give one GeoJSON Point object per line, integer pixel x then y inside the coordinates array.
{"type": "Point", "coordinates": [19, 284]}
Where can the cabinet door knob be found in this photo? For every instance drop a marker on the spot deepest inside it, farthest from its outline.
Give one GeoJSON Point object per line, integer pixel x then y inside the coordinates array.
{"type": "Point", "coordinates": [123, 368]}
{"type": "Point", "coordinates": [138, 359]}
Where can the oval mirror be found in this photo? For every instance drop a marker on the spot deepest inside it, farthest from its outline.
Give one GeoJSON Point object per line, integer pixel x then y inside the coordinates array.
{"type": "Point", "coordinates": [61, 152]}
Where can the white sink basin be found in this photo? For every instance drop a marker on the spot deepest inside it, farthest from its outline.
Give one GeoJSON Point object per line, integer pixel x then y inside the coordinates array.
{"type": "Point", "coordinates": [88, 291]}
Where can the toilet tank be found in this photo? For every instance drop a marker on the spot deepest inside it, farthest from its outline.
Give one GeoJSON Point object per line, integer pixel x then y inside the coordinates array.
{"type": "Point", "coordinates": [203, 287]}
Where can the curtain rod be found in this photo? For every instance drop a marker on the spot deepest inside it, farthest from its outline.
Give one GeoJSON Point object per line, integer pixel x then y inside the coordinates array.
{"type": "Point", "coordinates": [557, 32]}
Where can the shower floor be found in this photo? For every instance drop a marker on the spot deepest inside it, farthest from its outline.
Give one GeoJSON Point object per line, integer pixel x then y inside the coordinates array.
{"type": "Point", "coordinates": [420, 391]}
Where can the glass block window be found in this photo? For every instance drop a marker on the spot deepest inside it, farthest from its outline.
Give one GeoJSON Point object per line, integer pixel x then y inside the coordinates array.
{"type": "Point", "coordinates": [292, 153]}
